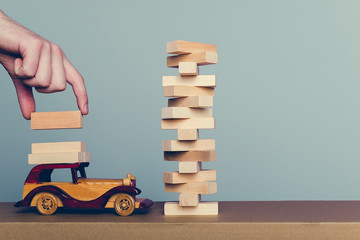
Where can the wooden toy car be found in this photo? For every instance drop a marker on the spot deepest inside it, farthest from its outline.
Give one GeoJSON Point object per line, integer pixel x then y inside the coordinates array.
{"type": "Point", "coordinates": [82, 192]}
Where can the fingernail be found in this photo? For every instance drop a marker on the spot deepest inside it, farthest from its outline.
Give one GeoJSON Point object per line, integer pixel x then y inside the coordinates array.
{"type": "Point", "coordinates": [86, 108]}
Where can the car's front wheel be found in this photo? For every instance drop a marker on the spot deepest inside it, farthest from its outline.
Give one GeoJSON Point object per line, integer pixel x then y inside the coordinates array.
{"type": "Point", "coordinates": [124, 204]}
{"type": "Point", "coordinates": [46, 203]}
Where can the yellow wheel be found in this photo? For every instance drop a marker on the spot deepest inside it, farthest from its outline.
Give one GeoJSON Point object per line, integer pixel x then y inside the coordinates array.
{"type": "Point", "coordinates": [46, 204]}
{"type": "Point", "coordinates": [124, 204]}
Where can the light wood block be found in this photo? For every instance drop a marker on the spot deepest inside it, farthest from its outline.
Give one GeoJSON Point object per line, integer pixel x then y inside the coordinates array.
{"type": "Point", "coordinates": [188, 134]}
{"type": "Point", "coordinates": [183, 47]}
{"type": "Point", "coordinates": [185, 91]}
{"type": "Point", "coordinates": [189, 167]}
{"type": "Point", "coordinates": [186, 112]}
{"type": "Point", "coordinates": [200, 123]}
{"type": "Point", "coordinates": [201, 58]}
{"type": "Point", "coordinates": [203, 208]}
{"type": "Point", "coordinates": [56, 120]}
{"type": "Point", "coordinates": [189, 199]}
{"type": "Point", "coordinates": [54, 147]}
{"type": "Point", "coordinates": [65, 157]}
{"type": "Point", "coordinates": [188, 69]}
{"type": "Point", "coordinates": [194, 102]}
{"type": "Point", "coordinates": [201, 156]}
{"type": "Point", "coordinates": [199, 81]}
{"type": "Point", "coordinates": [201, 176]}
{"type": "Point", "coordinates": [198, 188]}
{"type": "Point", "coordinates": [175, 145]}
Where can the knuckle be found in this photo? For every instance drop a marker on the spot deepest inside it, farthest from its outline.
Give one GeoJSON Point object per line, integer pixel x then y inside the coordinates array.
{"type": "Point", "coordinates": [56, 48]}
{"type": "Point", "coordinates": [37, 42]}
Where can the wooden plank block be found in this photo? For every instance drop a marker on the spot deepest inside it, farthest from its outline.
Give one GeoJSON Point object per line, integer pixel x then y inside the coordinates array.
{"type": "Point", "coordinates": [53, 147]}
{"type": "Point", "coordinates": [201, 156]}
{"type": "Point", "coordinates": [201, 176]}
{"type": "Point", "coordinates": [204, 208]}
{"type": "Point", "coordinates": [189, 199]}
{"type": "Point", "coordinates": [188, 69]}
{"type": "Point", "coordinates": [198, 188]}
{"type": "Point", "coordinates": [175, 145]}
{"type": "Point", "coordinates": [183, 47]}
{"type": "Point", "coordinates": [189, 167]}
{"type": "Point", "coordinates": [186, 112]}
{"type": "Point", "coordinates": [201, 58]}
{"type": "Point", "coordinates": [66, 157]}
{"type": "Point", "coordinates": [199, 81]}
{"type": "Point", "coordinates": [193, 101]}
{"type": "Point", "coordinates": [185, 91]}
{"type": "Point", "coordinates": [200, 123]}
{"type": "Point", "coordinates": [56, 120]}
{"type": "Point", "coordinates": [188, 134]}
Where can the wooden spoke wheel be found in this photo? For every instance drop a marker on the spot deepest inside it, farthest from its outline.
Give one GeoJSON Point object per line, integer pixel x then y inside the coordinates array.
{"type": "Point", "coordinates": [124, 204]}
{"type": "Point", "coordinates": [46, 204]}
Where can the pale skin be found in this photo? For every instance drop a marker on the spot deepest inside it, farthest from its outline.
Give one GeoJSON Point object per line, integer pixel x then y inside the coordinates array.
{"type": "Point", "coordinates": [34, 62]}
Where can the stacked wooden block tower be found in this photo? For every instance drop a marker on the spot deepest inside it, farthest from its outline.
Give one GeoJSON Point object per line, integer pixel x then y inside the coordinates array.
{"type": "Point", "coordinates": [57, 152]}
{"type": "Point", "coordinates": [189, 109]}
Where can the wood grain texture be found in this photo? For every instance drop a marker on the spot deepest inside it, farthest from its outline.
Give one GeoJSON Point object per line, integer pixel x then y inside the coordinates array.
{"type": "Point", "coordinates": [56, 120]}
{"type": "Point", "coordinates": [185, 112]}
{"type": "Point", "coordinates": [203, 208]}
{"type": "Point", "coordinates": [198, 123]}
{"type": "Point", "coordinates": [65, 157]}
{"type": "Point", "coordinates": [199, 81]}
{"type": "Point", "coordinates": [189, 167]}
{"type": "Point", "coordinates": [185, 91]}
{"type": "Point", "coordinates": [183, 47]}
{"type": "Point", "coordinates": [188, 134]}
{"type": "Point", "coordinates": [201, 156]}
{"type": "Point", "coordinates": [54, 147]}
{"type": "Point", "coordinates": [193, 101]}
{"type": "Point", "coordinates": [201, 176]}
{"type": "Point", "coordinates": [201, 58]}
{"type": "Point", "coordinates": [188, 69]}
{"type": "Point", "coordinates": [189, 199]}
{"type": "Point", "coordinates": [192, 187]}
{"type": "Point", "coordinates": [175, 145]}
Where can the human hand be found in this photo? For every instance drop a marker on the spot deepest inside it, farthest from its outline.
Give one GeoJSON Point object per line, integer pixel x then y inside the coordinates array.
{"type": "Point", "coordinates": [34, 62]}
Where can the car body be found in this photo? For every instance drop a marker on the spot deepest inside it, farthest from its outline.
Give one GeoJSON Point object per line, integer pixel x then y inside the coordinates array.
{"type": "Point", "coordinates": [82, 192]}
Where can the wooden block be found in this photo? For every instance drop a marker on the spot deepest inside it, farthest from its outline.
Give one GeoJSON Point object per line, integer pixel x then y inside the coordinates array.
{"type": "Point", "coordinates": [185, 112]}
{"type": "Point", "coordinates": [175, 145]}
{"type": "Point", "coordinates": [199, 81]}
{"type": "Point", "coordinates": [188, 69]}
{"type": "Point", "coordinates": [65, 157]}
{"type": "Point", "coordinates": [189, 167]}
{"type": "Point", "coordinates": [198, 188]}
{"type": "Point", "coordinates": [200, 156]}
{"type": "Point", "coordinates": [189, 199]}
{"type": "Point", "coordinates": [201, 58]}
{"type": "Point", "coordinates": [194, 101]}
{"type": "Point", "coordinates": [56, 120]}
{"type": "Point", "coordinates": [183, 47]}
{"type": "Point", "coordinates": [200, 123]}
{"type": "Point", "coordinates": [201, 176]}
{"type": "Point", "coordinates": [53, 147]}
{"type": "Point", "coordinates": [185, 91]}
{"type": "Point", "coordinates": [188, 134]}
{"type": "Point", "coordinates": [203, 208]}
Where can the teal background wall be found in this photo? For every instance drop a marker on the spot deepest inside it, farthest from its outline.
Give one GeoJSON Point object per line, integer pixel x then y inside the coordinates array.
{"type": "Point", "coordinates": [287, 103]}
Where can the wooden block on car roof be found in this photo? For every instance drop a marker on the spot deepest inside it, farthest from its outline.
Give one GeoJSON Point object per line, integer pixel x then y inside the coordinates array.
{"type": "Point", "coordinates": [203, 208]}
{"type": "Point", "coordinates": [185, 91]}
{"type": "Point", "coordinates": [194, 155]}
{"type": "Point", "coordinates": [189, 167]}
{"type": "Point", "coordinates": [56, 120]}
{"type": "Point", "coordinates": [196, 187]}
{"type": "Point", "coordinates": [188, 134]}
{"type": "Point", "coordinates": [188, 69]}
{"type": "Point", "coordinates": [183, 47]}
{"type": "Point", "coordinates": [176, 145]}
{"type": "Point", "coordinates": [193, 101]}
{"type": "Point", "coordinates": [201, 176]}
{"type": "Point", "coordinates": [185, 112]}
{"type": "Point", "coordinates": [54, 147]}
{"type": "Point", "coordinates": [199, 123]}
{"type": "Point", "coordinates": [201, 58]}
{"type": "Point", "coordinates": [200, 80]}
{"type": "Point", "coordinates": [65, 157]}
{"type": "Point", "coordinates": [189, 199]}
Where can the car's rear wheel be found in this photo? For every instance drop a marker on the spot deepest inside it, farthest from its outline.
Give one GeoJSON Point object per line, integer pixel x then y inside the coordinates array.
{"type": "Point", "coordinates": [124, 204]}
{"type": "Point", "coordinates": [46, 203]}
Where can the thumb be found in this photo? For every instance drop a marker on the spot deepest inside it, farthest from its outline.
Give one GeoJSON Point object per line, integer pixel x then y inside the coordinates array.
{"type": "Point", "coordinates": [25, 98]}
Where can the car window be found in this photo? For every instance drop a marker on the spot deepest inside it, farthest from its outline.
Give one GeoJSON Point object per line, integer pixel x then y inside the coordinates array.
{"type": "Point", "coordinates": [61, 175]}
